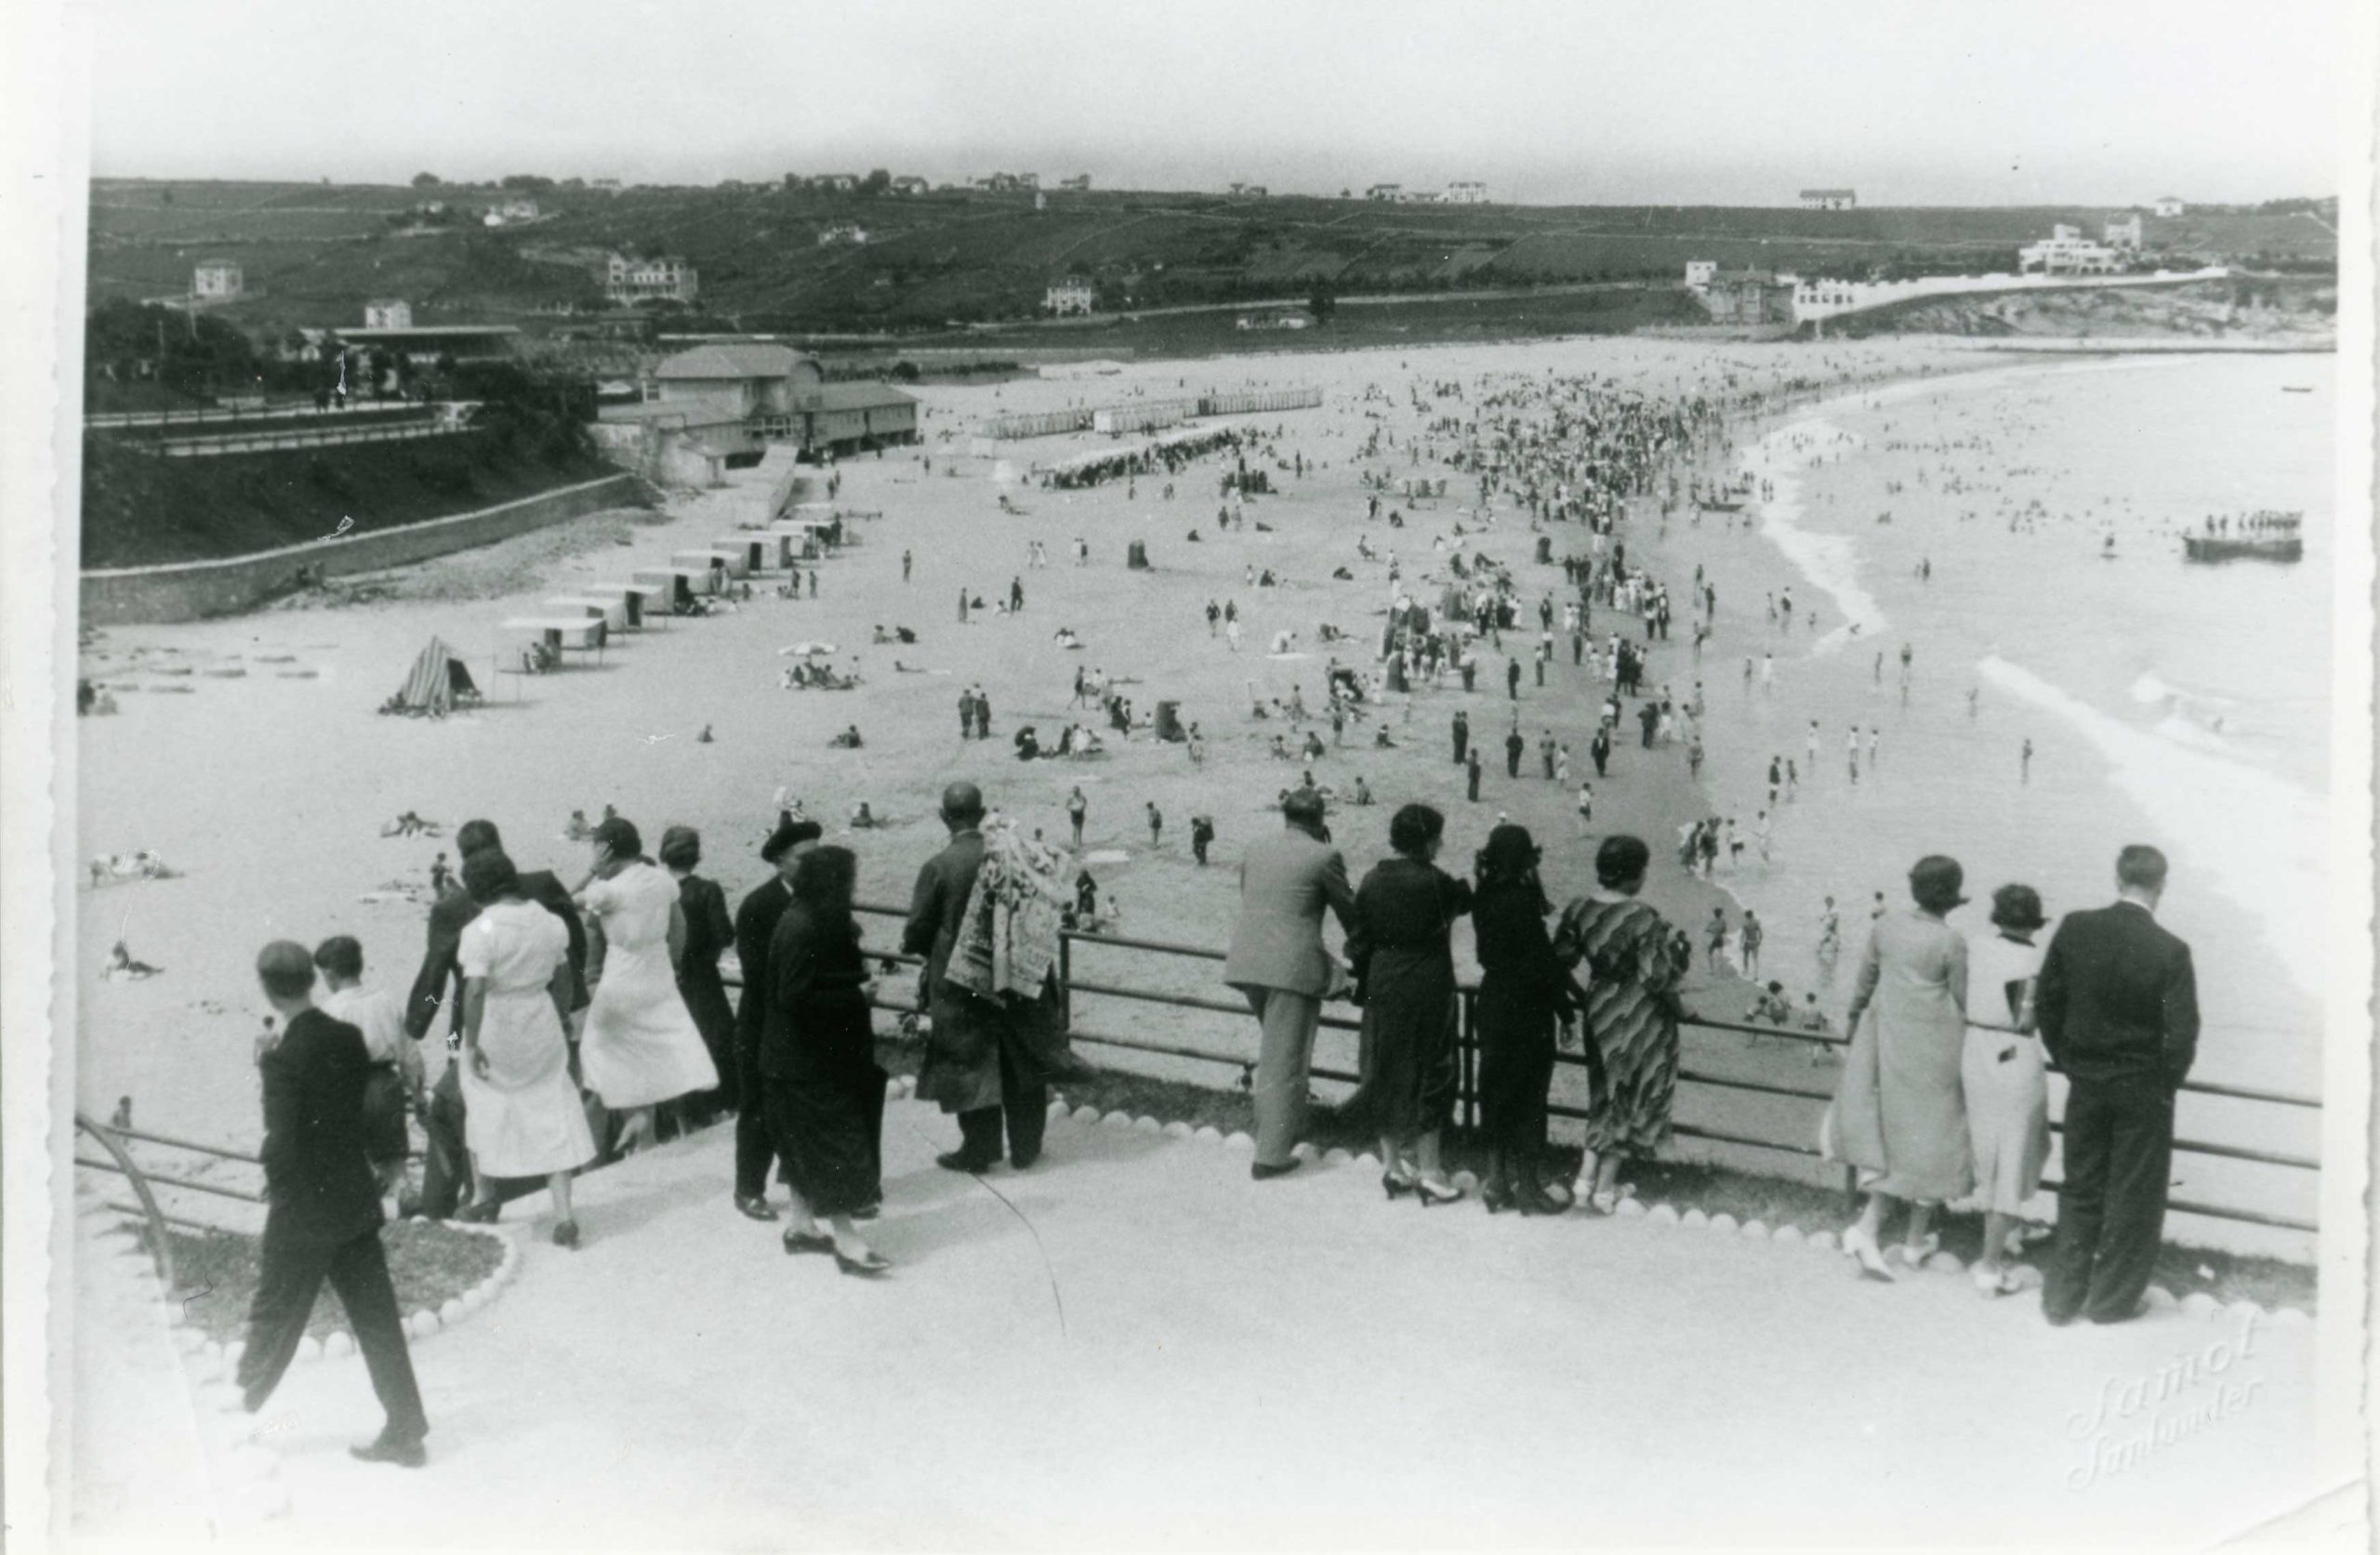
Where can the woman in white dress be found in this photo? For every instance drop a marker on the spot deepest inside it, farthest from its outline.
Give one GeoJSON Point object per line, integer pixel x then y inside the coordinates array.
{"type": "Point", "coordinates": [521, 1111]}
{"type": "Point", "coordinates": [2002, 1073]}
{"type": "Point", "coordinates": [640, 1045]}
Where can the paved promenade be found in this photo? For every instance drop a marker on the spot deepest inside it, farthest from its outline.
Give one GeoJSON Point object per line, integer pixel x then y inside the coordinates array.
{"type": "Point", "coordinates": [1133, 1346]}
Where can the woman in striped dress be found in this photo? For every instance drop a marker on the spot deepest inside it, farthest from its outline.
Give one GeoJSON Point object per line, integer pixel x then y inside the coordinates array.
{"type": "Point", "coordinates": [1635, 960]}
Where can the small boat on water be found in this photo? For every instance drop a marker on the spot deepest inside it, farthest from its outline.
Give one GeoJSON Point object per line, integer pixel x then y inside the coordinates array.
{"type": "Point", "coordinates": [2261, 536]}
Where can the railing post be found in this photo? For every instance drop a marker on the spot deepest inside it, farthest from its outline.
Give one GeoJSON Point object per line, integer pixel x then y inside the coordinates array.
{"type": "Point", "coordinates": [1470, 1041]}
{"type": "Point", "coordinates": [1067, 981]}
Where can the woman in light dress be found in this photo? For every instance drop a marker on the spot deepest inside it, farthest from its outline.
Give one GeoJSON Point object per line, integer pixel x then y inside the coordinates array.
{"type": "Point", "coordinates": [521, 1112]}
{"type": "Point", "coordinates": [2007, 1090]}
{"type": "Point", "coordinates": [639, 1045]}
{"type": "Point", "coordinates": [1900, 1114]}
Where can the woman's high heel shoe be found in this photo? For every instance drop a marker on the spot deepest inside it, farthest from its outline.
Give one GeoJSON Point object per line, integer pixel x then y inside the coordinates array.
{"type": "Point", "coordinates": [1396, 1187]}
{"type": "Point", "coordinates": [808, 1242]}
{"type": "Point", "coordinates": [1862, 1246]}
{"type": "Point", "coordinates": [1435, 1192]}
{"type": "Point", "coordinates": [867, 1263]}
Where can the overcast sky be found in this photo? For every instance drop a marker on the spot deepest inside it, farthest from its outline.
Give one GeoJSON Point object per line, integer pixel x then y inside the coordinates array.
{"type": "Point", "coordinates": [1669, 102]}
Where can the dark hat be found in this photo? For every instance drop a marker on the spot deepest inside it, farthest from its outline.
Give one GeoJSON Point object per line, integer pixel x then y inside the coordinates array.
{"type": "Point", "coordinates": [789, 834]}
{"type": "Point", "coordinates": [2018, 907]}
{"type": "Point", "coordinates": [1510, 852]}
{"type": "Point", "coordinates": [1302, 805]}
{"type": "Point", "coordinates": [619, 836]}
{"type": "Point", "coordinates": [1933, 883]}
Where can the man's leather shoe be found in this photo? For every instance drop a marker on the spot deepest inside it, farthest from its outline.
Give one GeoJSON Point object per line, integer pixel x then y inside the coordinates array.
{"type": "Point", "coordinates": [960, 1161]}
{"type": "Point", "coordinates": [754, 1209]}
{"type": "Point", "coordinates": [1021, 1161]}
{"type": "Point", "coordinates": [1262, 1169]}
{"type": "Point", "coordinates": [385, 1448]}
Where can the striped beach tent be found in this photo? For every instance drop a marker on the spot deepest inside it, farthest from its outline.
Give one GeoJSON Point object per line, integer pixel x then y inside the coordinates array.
{"type": "Point", "coordinates": [436, 682]}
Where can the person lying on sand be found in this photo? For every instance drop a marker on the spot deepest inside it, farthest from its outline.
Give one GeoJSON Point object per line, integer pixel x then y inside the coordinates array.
{"type": "Point", "coordinates": [122, 965]}
{"type": "Point", "coordinates": [848, 740]}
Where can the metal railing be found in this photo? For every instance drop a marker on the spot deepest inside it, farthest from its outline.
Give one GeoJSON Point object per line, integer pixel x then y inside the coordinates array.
{"type": "Point", "coordinates": [1243, 1057]}
{"type": "Point", "coordinates": [120, 1162]}
{"type": "Point", "coordinates": [209, 446]}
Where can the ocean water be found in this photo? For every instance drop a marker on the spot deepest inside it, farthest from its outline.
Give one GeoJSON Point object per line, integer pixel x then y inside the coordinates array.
{"type": "Point", "coordinates": [2180, 704]}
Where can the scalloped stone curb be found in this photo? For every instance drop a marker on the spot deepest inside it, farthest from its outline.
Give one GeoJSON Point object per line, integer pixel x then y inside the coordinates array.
{"type": "Point", "coordinates": [422, 1324]}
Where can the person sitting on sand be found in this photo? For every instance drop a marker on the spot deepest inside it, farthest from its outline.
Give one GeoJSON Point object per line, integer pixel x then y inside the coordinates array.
{"type": "Point", "coordinates": [578, 831]}
{"type": "Point", "coordinates": [862, 819]}
{"type": "Point", "coordinates": [1381, 740]}
{"type": "Point", "coordinates": [848, 740]}
{"type": "Point", "coordinates": [1028, 744]}
{"type": "Point", "coordinates": [1770, 1004]}
{"type": "Point", "coordinates": [1064, 638]}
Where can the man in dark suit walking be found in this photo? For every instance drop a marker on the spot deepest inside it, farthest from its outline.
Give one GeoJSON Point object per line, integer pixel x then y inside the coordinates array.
{"type": "Point", "coordinates": [985, 1058]}
{"type": "Point", "coordinates": [446, 1172]}
{"type": "Point", "coordinates": [2117, 1003]}
{"type": "Point", "coordinates": [1278, 961]}
{"type": "Point", "coordinates": [322, 1209]}
{"type": "Point", "coordinates": [756, 925]}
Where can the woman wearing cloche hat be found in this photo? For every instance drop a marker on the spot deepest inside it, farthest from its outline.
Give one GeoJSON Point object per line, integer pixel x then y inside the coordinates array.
{"type": "Point", "coordinates": [1899, 1115]}
{"type": "Point", "coordinates": [2007, 1090]}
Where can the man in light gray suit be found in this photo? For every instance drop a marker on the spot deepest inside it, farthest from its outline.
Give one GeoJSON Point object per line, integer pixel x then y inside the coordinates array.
{"type": "Point", "coordinates": [1277, 960]}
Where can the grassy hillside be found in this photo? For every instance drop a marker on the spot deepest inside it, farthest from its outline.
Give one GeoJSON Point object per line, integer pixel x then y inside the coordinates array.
{"type": "Point", "coordinates": [140, 510]}
{"type": "Point", "coordinates": [313, 253]}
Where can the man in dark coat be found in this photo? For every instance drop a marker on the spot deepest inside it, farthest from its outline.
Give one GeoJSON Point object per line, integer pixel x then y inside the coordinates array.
{"type": "Point", "coordinates": [1461, 735]}
{"type": "Point", "coordinates": [1514, 748]}
{"type": "Point", "coordinates": [756, 924]}
{"type": "Point", "coordinates": [323, 1210]}
{"type": "Point", "coordinates": [1471, 777]}
{"type": "Point", "coordinates": [2117, 1002]}
{"type": "Point", "coordinates": [447, 1174]}
{"type": "Point", "coordinates": [985, 1058]}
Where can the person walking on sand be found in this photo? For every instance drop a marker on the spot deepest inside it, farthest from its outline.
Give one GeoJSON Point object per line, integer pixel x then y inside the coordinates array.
{"type": "Point", "coordinates": [1277, 962]}
{"type": "Point", "coordinates": [907, 562]}
{"type": "Point", "coordinates": [1714, 935]}
{"type": "Point", "coordinates": [1157, 825]}
{"type": "Point", "coordinates": [1851, 752]}
{"type": "Point", "coordinates": [1461, 735]}
{"type": "Point", "coordinates": [1470, 775]}
{"type": "Point", "coordinates": [2025, 763]}
{"type": "Point", "coordinates": [2118, 1007]}
{"type": "Point", "coordinates": [1748, 945]}
{"type": "Point", "coordinates": [1810, 748]}
{"type": "Point", "coordinates": [1076, 808]}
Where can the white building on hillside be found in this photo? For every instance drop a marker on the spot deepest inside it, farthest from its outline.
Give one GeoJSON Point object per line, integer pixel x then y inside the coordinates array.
{"type": "Point", "coordinates": [1386, 191]}
{"type": "Point", "coordinates": [1699, 274]}
{"type": "Point", "coordinates": [391, 313]}
{"type": "Point", "coordinates": [2067, 252]}
{"type": "Point", "coordinates": [629, 278]}
{"type": "Point", "coordinates": [1073, 295]}
{"type": "Point", "coordinates": [1466, 191]}
{"type": "Point", "coordinates": [850, 234]}
{"type": "Point", "coordinates": [2169, 207]}
{"type": "Point", "coordinates": [216, 281]}
{"type": "Point", "coordinates": [1829, 199]}
{"type": "Point", "coordinates": [2123, 232]}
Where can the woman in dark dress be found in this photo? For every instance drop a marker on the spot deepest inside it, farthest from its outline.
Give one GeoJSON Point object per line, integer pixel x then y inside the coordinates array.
{"type": "Point", "coordinates": [1405, 911]}
{"type": "Point", "coordinates": [1635, 960]}
{"type": "Point", "coordinates": [823, 1091]}
{"type": "Point", "coordinates": [709, 933]}
{"type": "Point", "coordinates": [1524, 992]}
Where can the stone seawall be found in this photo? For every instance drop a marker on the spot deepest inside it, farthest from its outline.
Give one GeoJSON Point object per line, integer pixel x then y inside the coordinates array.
{"type": "Point", "coordinates": [190, 590]}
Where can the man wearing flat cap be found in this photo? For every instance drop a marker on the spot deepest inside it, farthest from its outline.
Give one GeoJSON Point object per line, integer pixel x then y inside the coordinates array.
{"type": "Point", "coordinates": [756, 926]}
{"type": "Point", "coordinates": [1277, 959]}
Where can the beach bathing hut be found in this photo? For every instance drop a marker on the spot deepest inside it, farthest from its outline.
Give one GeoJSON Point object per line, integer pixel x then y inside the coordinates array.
{"type": "Point", "coordinates": [755, 549]}
{"type": "Point", "coordinates": [560, 635]}
{"type": "Point", "coordinates": [732, 563]}
{"type": "Point", "coordinates": [641, 598]}
{"type": "Point", "coordinates": [436, 684]}
{"type": "Point", "coordinates": [684, 582]}
{"type": "Point", "coordinates": [611, 609]}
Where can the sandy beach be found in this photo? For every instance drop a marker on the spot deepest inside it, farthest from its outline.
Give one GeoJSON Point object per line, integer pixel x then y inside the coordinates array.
{"type": "Point", "coordinates": [263, 777]}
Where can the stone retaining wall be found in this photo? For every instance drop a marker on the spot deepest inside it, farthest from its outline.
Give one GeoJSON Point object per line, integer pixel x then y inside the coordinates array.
{"type": "Point", "coordinates": [190, 590]}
